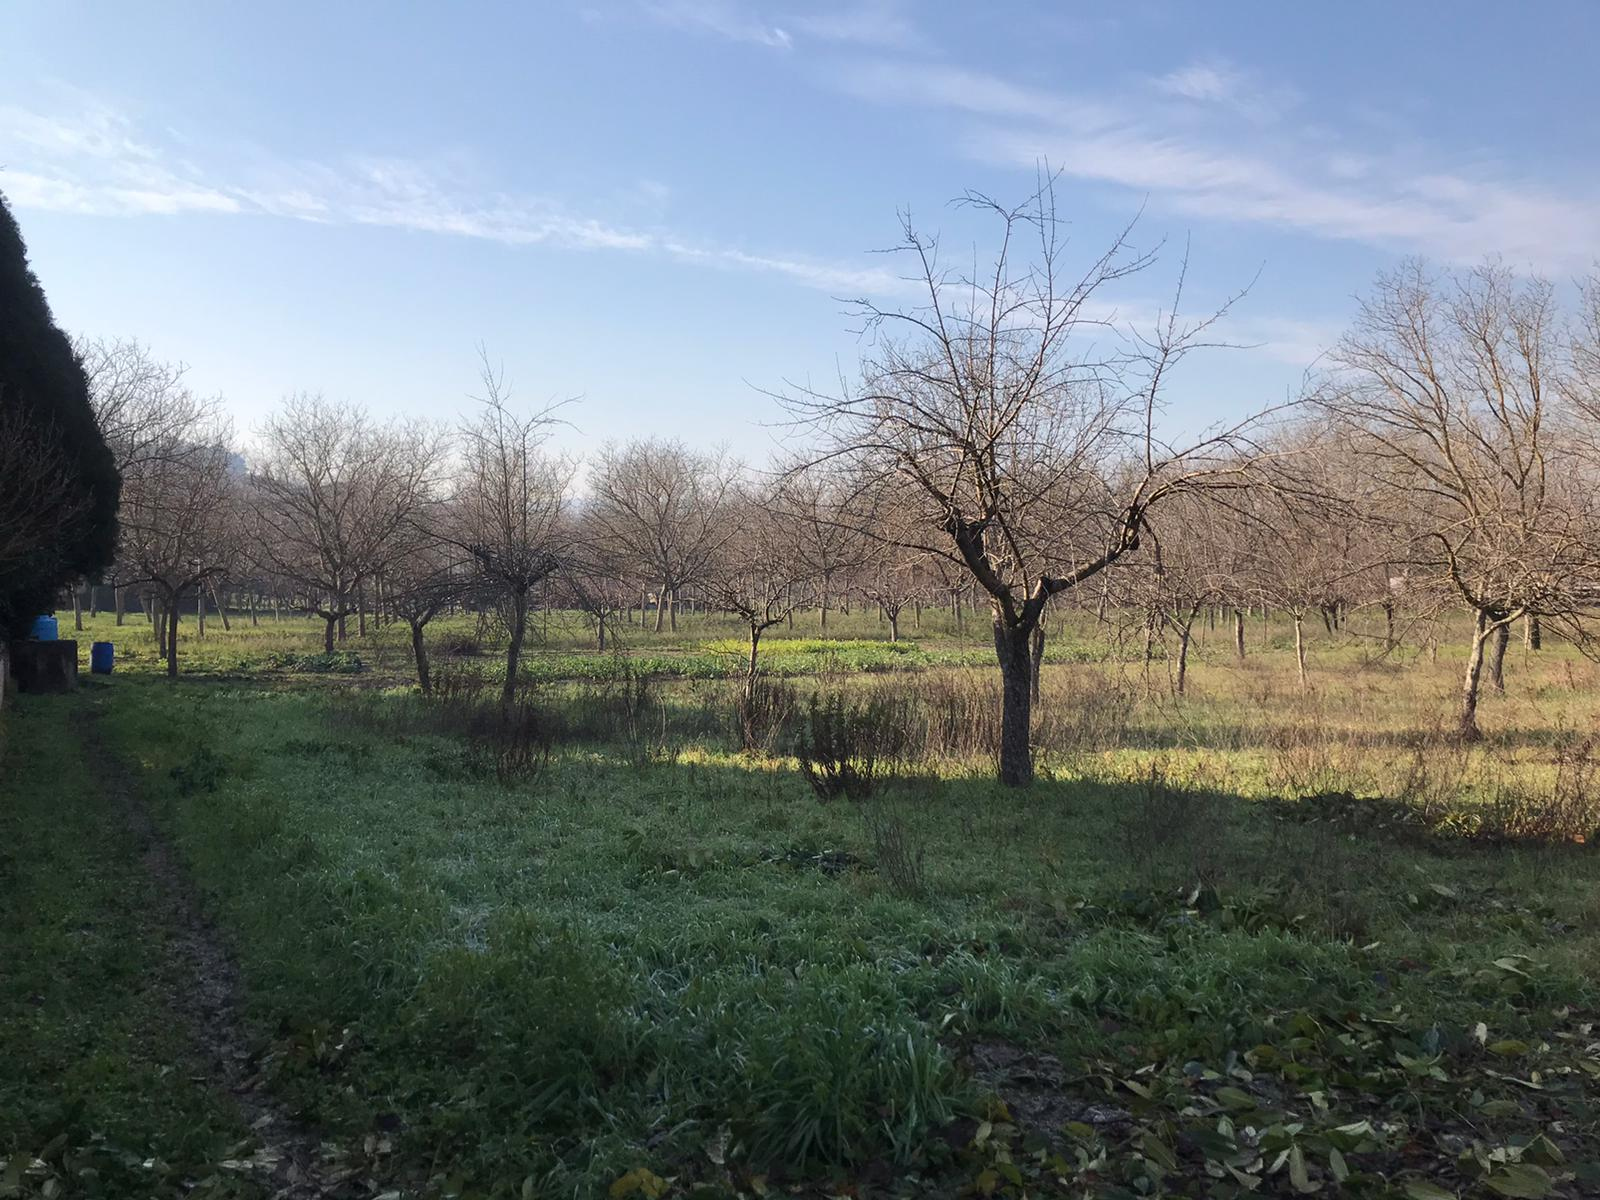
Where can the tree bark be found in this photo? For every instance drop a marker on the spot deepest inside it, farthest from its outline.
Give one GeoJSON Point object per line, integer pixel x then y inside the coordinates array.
{"type": "Point", "coordinates": [77, 607]}
{"type": "Point", "coordinates": [331, 624]}
{"type": "Point", "coordinates": [1300, 649]}
{"type": "Point", "coordinates": [1036, 659]}
{"type": "Point", "coordinates": [419, 651]}
{"type": "Point", "coordinates": [1238, 633]}
{"type": "Point", "coordinates": [1497, 657]}
{"type": "Point", "coordinates": [1469, 688]}
{"type": "Point", "coordinates": [519, 627]}
{"type": "Point", "coordinates": [120, 601]}
{"type": "Point", "coordinates": [1389, 640]}
{"type": "Point", "coordinates": [1016, 704]}
{"type": "Point", "coordinates": [1183, 659]}
{"type": "Point", "coordinates": [172, 637]}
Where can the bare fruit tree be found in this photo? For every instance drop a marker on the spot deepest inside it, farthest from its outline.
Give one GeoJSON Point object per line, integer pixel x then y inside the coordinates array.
{"type": "Point", "coordinates": [180, 524]}
{"type": "Point", "coordinates": [334, 498]}
{"type": "Point", "coordinates": [509, 508]}
{"type": "Point", "coordinates": [1451, 388]}
{"type": "Point", "coordinates": [1021, 432]}
{"type": "Point", "coordinates": [759, 576]}
{"type": "Point", "coordinates": [660, 504]}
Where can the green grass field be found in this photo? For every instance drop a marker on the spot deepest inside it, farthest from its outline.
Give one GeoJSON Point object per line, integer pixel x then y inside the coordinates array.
{"type": "Point", "coordinates": [1256, 941]}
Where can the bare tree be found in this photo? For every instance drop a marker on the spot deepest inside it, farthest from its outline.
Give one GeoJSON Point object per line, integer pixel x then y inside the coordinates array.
{"type": "Point", "coordinates": [510, 507]}
{"type": "Point", "coordinates": [660, 504]}
{"type": "Point", "coordinates": [180, 524]}
{"type": "Point", "coordinates": [334, 498]}
{"type": "Point", "coordinates": [1023, 436]}
{"type": "Point", "coordinates": [600, 578]}
{"type": "Point", "coordinates": [826, 516]}
{"type": "Point", "coordinates": [759, 576]}
{"type": "Point", "coordinates": [1451, 388]}
{"type": "Point", "coordinates": [422, 580]}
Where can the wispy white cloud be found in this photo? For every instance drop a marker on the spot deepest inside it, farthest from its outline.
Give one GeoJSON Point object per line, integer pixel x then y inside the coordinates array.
{"type": "Point", "coordinates": [1205, 82]}
{"type": "Point", "coordinates": [883, 24]}
{"type": "Point", "coordinates": [727, 19]}
{"type": "Point", "coordinates": [1290, 178]}
{"type": "Point", "coordinates": [97, 166]}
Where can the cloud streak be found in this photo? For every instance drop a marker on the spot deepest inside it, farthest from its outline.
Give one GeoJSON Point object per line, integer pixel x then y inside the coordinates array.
{"type": "Point", "coordinates": [1269, 174]}
{"type": "Point", "coordinates": [98, 164]}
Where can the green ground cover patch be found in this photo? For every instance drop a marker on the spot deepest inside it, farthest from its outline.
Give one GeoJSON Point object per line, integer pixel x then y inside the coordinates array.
{"type": "Point", "coordinates": [625, 972]}
{"type": "Point", "coordinates": [96, 1091]}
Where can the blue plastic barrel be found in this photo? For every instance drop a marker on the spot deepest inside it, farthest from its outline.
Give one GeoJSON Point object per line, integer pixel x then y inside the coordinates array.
{"type": "Point", "coordinates": [44, 629]}
{"type": "Point", "coordinates": [101, 656]}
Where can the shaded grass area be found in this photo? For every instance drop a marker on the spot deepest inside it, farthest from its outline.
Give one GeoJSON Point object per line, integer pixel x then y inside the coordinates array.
{"type": "Point", "coordinates": [664, 973]}
{"type": "Point", "coordinates": [98, 1094]}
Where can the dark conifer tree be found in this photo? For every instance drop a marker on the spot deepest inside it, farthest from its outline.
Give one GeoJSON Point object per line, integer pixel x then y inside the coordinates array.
{"type": "Point", "coordinates": [44, 402]}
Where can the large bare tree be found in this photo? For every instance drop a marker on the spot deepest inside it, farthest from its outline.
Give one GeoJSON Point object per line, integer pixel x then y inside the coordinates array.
{"type": "Point", "coordinates": [334, 497]}
{"type": "Point", "coordinates": [1455, 392]}
{"type": "Point", "coordinates": [1021, 431]}
{"type": "Point", "coordinates": [660, 504]}
{"type": "Point", "coordinates": [180, 523]}
{"type": "Point", "coordinates": [509, 507]}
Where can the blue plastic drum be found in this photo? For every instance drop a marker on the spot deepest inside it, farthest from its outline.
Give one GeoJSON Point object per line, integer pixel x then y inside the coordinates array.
{"type": "Point", "coordinates": [44, 629]}
{"type": "Point", "coordinates": [101, 657]}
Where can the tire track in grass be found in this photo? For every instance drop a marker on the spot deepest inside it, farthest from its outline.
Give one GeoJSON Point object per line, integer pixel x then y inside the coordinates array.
{"type": "Point", "coordinates": [291, 1159]}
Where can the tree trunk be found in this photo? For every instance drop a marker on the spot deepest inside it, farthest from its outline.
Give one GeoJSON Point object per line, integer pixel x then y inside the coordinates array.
{"type": "Point", "coordinates": [1389, 640]}
{"type": "Point", "coordinates": [1183, 659]}
{"type": "Point", "coordinates": [200, 611]}
{"type": "Point", "coordinates": [361, 610]}
{"type": "Point", "coordinates": [1036, 659]}
{"type": "Point", "coordinates": [120, 602]}
{"type": "Point", "coordinates": [157, 612]}
{"type": "Point", "coordinates": [672, 610]}
{"type": "Point", "coordinates": [747, 695]}
{"type": "Point", "coordinates": [331, 625]}
{"type": "Point", "coordinates": [419, 651]}
{"type": "Point", "coordinates": [1300, 649]}
{"type": "Point", "coordinates": [600, 632]}
{"type": "Point", "coordinates": [172, 637]}
{"type": "Point", "coordinates": [1016, 704]}
{"type": "Point", "coordinates": [1238, 633]}
{"type": "Point", "coordinates": [222, 608]}
{"type": "Point", "coordinates": [519, 626]}
{"type": "Point", "coordinates": [77, 607]}
{"type": "Point", "coordinates": [661, 597]}
{"type": "Point", "coordinates": [1469, 688]}
{"type": "Point", "coordinates": [894, 624]}
{"type": "Point", "coordinates": [1534, 632]}
{"type": "Point", "coordinates": [1497, 657]}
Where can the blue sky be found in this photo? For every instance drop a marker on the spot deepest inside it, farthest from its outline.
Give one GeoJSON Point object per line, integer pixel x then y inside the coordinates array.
{"type": "Point", "coordinates": [655, 204]}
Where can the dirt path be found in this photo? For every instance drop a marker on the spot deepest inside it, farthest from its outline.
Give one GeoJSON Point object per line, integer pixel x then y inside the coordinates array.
{"type": "Point", "coordinates": [289, 1159]}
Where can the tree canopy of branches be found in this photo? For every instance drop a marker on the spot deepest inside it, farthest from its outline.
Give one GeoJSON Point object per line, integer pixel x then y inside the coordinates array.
{"type": "Point", "coordinates": [334, 495]}
{"type": "Point", "coordinates": [59, 485]}
{"type": "Point", "coordinates": [1458, 396]}
{"type": "Point", "coordinates": [1026, 446]}
{"type": "Point", "coordinates": [658, 504]}
{"type": "Point", "coordinates": [508, 513]}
